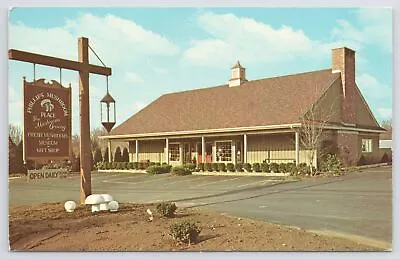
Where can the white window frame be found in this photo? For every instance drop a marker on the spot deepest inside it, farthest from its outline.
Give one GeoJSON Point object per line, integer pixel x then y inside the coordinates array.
{"type": "Point", "coordinates": [179, 152]}
{"type": "Point", "coordinates": [366, 145]}
{"type": "Point", "coordinates": [216, 150]}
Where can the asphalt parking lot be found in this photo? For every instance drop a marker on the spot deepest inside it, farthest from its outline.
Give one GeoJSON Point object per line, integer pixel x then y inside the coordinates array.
{"type": "Point", "coordinates": [357, 206]}
{"type": "Point", "coordinates": [130, 187]}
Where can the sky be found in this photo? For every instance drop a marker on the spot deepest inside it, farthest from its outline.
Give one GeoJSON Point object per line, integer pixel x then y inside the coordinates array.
{"type": "Point", "coordinates": [154, 51]}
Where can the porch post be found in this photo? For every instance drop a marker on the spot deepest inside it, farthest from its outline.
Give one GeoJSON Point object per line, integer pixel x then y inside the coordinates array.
{"type": "Point", "coordinates": [167, 151]}
{"type": "Point", "coordinates": [203, 159]}
{"type": "Point", "coordinates": [137, 151]}
{"type": "Point", "coordinates": [297, 146]}
{"type": "Point", "coordinates": [109, 150]}
{"type": "Point", "coordinates": [245, 148]}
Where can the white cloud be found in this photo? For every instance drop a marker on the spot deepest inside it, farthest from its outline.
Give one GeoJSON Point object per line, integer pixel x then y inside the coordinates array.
{"type": "Point", "coordinates": [105, 35]}
{"type": "Point", "coordinates": [232, 37]}
{"type": "Point", "coordinates": [377, 95]}
{"type": "Point", "coordinates": [375, 28]}
{"type": "Point", "coordinates": [133, 78]}
{"type": "Point", "coordinates": [236, 37]}
{"type": "Point", "coordinates": [372, 88]}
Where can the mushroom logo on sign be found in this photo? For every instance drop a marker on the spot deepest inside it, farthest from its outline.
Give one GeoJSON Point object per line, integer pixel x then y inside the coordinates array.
{"type": "Point", "coordinates": [47, 105]}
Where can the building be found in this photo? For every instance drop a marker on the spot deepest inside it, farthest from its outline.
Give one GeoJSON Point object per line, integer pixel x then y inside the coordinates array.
{"type": "Point", "coordinates": [259, 120]}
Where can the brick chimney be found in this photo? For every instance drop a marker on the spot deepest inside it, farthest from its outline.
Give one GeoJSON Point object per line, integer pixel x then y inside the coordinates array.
{"type": "Point", "coordinates": [343, 62]}
{"type": "Point", "coordinates": [238, 75]}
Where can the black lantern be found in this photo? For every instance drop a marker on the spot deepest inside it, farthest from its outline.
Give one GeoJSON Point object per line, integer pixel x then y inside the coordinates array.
{"type": "Point", "coordinates": [107, 104]}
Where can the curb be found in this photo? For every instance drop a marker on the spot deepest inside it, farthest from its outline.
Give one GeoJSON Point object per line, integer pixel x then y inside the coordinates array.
{"type": "Point", "coordinates": [121, 171]}
{"type": "Point", "coordinates": [371, 166]}
{"type": "Point", "coordinates": [239, 174]}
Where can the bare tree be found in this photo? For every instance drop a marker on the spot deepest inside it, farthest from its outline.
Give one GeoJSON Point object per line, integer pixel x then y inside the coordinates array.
{"type": "Point", "coordinates": [15, 133]}
{"type": "Point", "coordinates": [313, 124]}
{"type": "Point", "coordinates": [387, 125]}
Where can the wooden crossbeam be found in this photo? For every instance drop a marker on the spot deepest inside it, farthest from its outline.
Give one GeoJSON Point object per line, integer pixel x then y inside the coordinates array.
{"type": "Point", "coordinates": [34, 58]}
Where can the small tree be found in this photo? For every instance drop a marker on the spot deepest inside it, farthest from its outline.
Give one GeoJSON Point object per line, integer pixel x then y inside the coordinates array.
{"type": "Point", "coordinates": [118, 156]}
{"type": "Point", "coordinates": [125, 155]}
{"type": "Point", "coordinates": [105, 157]}
{"type": "Point", "coordinates": [97, 156]}
{"type": "Point", "coordinates": [19, 159]}
{"type": "Point", "coordinates": [313, 123]}
{"type": "Point", "coordinates": [76, 163]}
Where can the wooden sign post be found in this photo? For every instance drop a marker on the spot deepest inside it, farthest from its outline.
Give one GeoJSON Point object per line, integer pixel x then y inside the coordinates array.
{"type": "Point", "coordinates": [84, 68]}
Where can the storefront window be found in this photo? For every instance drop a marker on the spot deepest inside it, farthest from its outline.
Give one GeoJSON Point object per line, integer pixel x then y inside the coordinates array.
{"type": "Point", "coordinates": [174, 152]}
{"type": "Point", "coordinates": [224, 151]}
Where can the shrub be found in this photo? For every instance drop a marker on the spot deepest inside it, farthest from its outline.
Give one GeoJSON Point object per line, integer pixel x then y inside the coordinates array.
{"type": "Point", "coordinates": [303, 168]}
{"type": "Point", "coordinates": [130, 165]}
{"type": "Point", "coordinates": [330, 163]}
{"type": "Point", "coordinates": [200, 167]}
{"type": "Point", "coordinates": [151, 164]}
{"type": "Point", "coordinates": [118, 165]}
{"type": "Point", "coordinates": [142, 166]}
{"type": "Point", "coordinates": [107, 165]}
{"type": "Point", "coordinates": [207, 167]}
{"type": "Point", "coordinates": [214, 167]}
{"type": "Point", "coordinates": [291, 168]}
{"type": "Point", "coordinates": [222, 167]}
{"type": "Point", "coordinates": [153, 169]}
{"type": "Point", "coordinates": [265, 167]}
{"type": "Point", "coordinates": [230, 167]}
{"type": "Point", "coordinates": [282, 168]}
{"type": "Point", "coordinates": [190, 166]}
{"type": "Point", "coordinates": [180, 170]}
{"type": "Point", "coordinates": [257, 167]}
{"type": "Point", "coordinates": [247, 167]}
{"type": "Point", "coordinates": [274, 167]}
{"type": "Point", "coordinates": [166, 168]}
{"type": "Point", "coordinates": [185, 232]}
{"type": "Point", "coordinates": [113, 165]}
{"type": "Point", "coordinates": [135, 165]}
{"type": "Point", "coordinates": [239, 167]}
{"type": "Point", "coordinates": [158, 164]}
{"type": "Point", "coordinates": [362, 161]}
{"type": "Point", "coordinates": [385, 158]}
{"type": "Point", "coordinates": [124, 165]}
{"type": "Point", "coordinates": [166, 209]}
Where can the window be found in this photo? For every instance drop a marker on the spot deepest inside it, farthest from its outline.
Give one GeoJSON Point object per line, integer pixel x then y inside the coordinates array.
{"type": "Point", "coordinates": [366, 145]}
{"type": "Point", "coordinates": [174, 154]}
{"type": "Point", "coordinates": [224, 151]}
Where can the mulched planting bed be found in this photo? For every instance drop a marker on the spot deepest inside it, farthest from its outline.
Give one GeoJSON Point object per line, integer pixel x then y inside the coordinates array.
{"type": "Point", "coordinates": [48, 227]}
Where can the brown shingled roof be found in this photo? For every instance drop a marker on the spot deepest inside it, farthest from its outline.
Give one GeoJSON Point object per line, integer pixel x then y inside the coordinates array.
{"type": "Point", "coordinates": [270, 101]}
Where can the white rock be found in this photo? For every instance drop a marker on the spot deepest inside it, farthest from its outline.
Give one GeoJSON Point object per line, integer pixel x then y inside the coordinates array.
{"type": "Point", "coordinates": [149, 212]}
{"type": "Point", "coordinates": [113, 206]}
{"type": "Point", "coordinates": [69, 206]}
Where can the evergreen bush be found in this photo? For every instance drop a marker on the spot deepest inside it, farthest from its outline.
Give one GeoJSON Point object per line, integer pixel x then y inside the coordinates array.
{"type": "Point", "coordinates": [239, 167]}
{"type": "Point", "coordinates": [221, 167]}
{"type": "Point", "coordinates": [230, 167]}
{"type": "Point", "coordinates": [247, 167]}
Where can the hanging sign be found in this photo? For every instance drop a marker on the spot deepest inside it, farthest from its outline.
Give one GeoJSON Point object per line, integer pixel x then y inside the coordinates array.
{"type": "Point", "coordinates": [47, 121]}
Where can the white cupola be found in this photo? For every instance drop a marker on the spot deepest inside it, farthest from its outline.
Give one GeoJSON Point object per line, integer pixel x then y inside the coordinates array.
{"type": "Point", "coordinates": [238, 75]}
